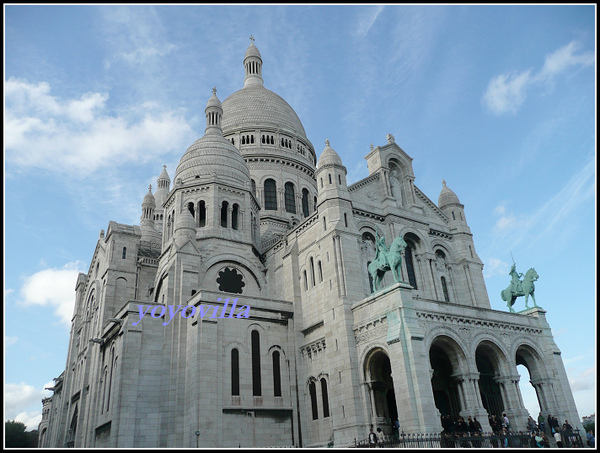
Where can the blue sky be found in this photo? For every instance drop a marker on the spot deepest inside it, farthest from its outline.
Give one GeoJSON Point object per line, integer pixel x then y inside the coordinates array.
{"type": "Point", "coordinates": [497, 100]}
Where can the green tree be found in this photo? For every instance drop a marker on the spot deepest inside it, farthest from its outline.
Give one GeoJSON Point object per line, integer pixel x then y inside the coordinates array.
{"type": "Point", "coordinates": [15, 435]}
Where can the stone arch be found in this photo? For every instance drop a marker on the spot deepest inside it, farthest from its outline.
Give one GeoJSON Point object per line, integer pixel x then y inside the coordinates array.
{"type": "Point", "coordinates": [377, 369]}
{"type": "Point", "coordinates": [448, 362]}
{"type": "Point", "coordinates": [491, 363]}
{"type": "Point", "coordinates": [525, 353]}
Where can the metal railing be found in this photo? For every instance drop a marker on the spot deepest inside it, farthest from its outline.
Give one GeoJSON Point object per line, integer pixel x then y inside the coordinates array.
{"type": "Point", "coordinates": [521, 440]}
{"type": "Point", "coordinates": [449, 441]}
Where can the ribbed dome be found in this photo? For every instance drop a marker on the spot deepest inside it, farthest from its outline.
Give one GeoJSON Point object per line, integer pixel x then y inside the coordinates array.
{"type": "Point", "coordinates": [149, 201]}
{"type": "Point", "coordinates": [329, 157]}
{"type": "Point", "coordinates": [212, 154]}
{"type": "Point", "coordinates": [447, 196]}
{"type": "Point", "coordinates": [254, 107]}
{"type": "Point", "coordinates": [252, 51]}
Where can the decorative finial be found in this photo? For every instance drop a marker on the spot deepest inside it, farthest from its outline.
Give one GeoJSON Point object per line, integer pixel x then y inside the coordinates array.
{"type": "Point", "coordinates": [444, 182]}
{"type": "Point", "coordinates": [371, 146]}
{"type": "Point", "coordinates": [150, 188]}
{"type": "Point", "coordinates": [214, 90]}
{"type": "Point", "coordinates": [165, 167]}
{"type": "Point", "coordinates": [251, 40]}
{"type": "Point", "coordinates": [326, 142]}
{"type": "Point", "coordinates": [390, 138]}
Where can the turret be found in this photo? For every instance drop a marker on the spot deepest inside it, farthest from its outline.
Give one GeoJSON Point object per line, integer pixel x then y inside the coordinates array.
{"type": "Point", "coordinates": [147, 224]}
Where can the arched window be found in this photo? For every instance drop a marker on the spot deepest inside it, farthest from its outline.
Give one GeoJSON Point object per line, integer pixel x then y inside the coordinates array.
{"type": "Point", "coordinates": [329, 178]}
{"type": "Point", "coordinates": [312, 270]}
{"type": "Point", "coordinates": [305, 282]}
{"type": "Point", "coordinates": [325, 398]}
{"type": "Point", "coordinates": [243, 140]}
{"type": "Point", "coordinates": [124, 252]}
{"type": "Point", "coordinates": [320, 271]}
{"type": "Point", "coordinates": [256, 384]}
{"type": "Point", "coordinates": [305, 202]}
{"type": "Point", "coordinates": [276, 374]}
{"type": "Point", "coordinates": [410, 269]}
{"type": "Point", "coordinates": [224, 208]}
{"type": "Point", "coordinates": [340, 180]}
{"type": "Point", "coordinates": [290, 198]}
{"type": "Point", "coordinates": [345, 220]}
{"type": "Point", "coordinates": [234, 216]}
{"type": "Point", "coordinates": [253, 186]}
{"type": "Point", "coordinates": [324, 223]}
{"type": "Point", "coordinates": [191, 208]}
{"type": "Point", "coordinates": [312, 388]}
{"type": "Point", "coordinates": [270, 195]}
{"type": "Point", "coordinates": [445, 290]}
{"type": "Point", "coordinates": [202, 214]}
{"type": "Point", "coordinates": [315, 200]}
{"type": "Point", "coordinates": [235, 372]}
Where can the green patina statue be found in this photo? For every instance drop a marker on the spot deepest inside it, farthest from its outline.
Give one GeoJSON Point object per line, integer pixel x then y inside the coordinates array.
{"type": "Point", "coordinates": [520, 288]}
{"type": "Point", "coordinates": [386, 259]}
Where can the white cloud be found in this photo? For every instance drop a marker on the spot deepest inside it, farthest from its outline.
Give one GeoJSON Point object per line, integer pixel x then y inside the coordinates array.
{"type": "Point", "coordinates": [495, 267]}
{"type": "Point", "coordinates": [8, 341]}
{"type": "Point", "coordinates": [79, 136]}
{"type": "Point", "coordinates": [583, 381]}
{"type": "Point", "coordinates": [53, 287]}
{"type": "Point", "coordinates": [507, 92]}
{"type": "Point", "coordinates": [31, 420]}
{"type": "Point", "coordinates": [17, 400]}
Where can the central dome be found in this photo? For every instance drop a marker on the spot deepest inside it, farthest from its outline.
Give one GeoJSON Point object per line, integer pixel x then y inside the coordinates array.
{"type": "Point", "coordinates": [254, 106]}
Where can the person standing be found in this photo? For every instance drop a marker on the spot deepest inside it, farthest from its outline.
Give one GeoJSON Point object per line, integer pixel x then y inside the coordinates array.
{"type": "Point", "coordinates": [505, 422]}
{"type": "Point", "coordinates": [558, 439]}
{"type": "Point", "coordinates": [591, 440]}
{"type": "Point", "coordinates": [541, 422]}
{"type": "Point", "coordinates": [372, 439]}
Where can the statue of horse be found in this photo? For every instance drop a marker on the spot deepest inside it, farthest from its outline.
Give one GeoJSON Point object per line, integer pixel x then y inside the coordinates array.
{"type": "Point", "coordinates": [387, 260]}
{"type": "Point", "coordinates": [510, 294]}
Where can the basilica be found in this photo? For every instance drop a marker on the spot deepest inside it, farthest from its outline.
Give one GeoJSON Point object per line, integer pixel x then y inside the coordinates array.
{"type": "Point", "coordinates": [329, 349]}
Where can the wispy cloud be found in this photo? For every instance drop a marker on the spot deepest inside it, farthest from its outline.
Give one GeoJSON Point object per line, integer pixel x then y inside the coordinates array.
{"type": "Point", "coordinates": [368, 18]}
{"type": "Point", "coordinates": [494, 267]}
{"type": "Point", "coordinates": [9, 341]}
{"type": "Point", "coordinates": [583, 381]}
{"type": "Point", "coordinates": [79, 136]}
{"type": "Point", "coordinates": [53, 287]}
{"type": "Point", "coordinates": [507, 92]}
{"type": "Point", "coordinates": [543, 222]}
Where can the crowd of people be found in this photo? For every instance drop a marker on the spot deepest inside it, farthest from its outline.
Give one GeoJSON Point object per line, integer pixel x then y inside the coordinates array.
{"type": "Point", "coordinates": [458, 427]}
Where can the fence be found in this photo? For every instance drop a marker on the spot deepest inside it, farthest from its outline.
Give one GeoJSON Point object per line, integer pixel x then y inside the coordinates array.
{"type": "Point", "coordinates": [521, 440]}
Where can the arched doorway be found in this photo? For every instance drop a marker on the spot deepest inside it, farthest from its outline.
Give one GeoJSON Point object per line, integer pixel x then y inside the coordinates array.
{"type": "Point", "coordinates": [487, 364]}
{"type": "Point", "coordinates": [378, 376]}
{"type": "Point", "coordinates": [445, 357]}
{"type": "Point", "coordinates": [529, 363]}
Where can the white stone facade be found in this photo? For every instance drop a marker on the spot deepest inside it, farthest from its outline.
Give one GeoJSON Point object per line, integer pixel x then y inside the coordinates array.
{"type": "Point", "coordinates": [320, 358]}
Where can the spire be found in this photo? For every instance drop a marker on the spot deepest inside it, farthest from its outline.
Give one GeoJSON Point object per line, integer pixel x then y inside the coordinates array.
{"type": "Point", "coordinates": [214, 113]}
{"type": "Point", "coordinates": [253, 65]}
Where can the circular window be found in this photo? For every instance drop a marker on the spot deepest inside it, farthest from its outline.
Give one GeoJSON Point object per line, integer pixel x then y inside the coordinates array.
{"type": "Point", "coordinates": [230, 281]}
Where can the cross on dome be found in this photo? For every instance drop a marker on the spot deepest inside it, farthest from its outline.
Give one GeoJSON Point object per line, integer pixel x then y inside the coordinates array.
{"type": "Point", "coordinates": [214, 90]}
{"type": "Point", "coordinates": [326, 142]}
{"type": "Point", "coordinates": [444, 182]}
{"type": "Point", "coordinates": [251, 39]}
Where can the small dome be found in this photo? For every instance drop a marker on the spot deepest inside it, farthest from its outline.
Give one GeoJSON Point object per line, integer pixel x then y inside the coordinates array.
{"type": "Point", "coordinates": [329, 157]}
{"type": "Point", "coordinates": [214, 100]}
{"type": "Point", "coordinates": [149, 201]}
{"type": "Point", "coordinates": [447, 196]}
{"type": "Point", "coordinates": [252, 51]}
